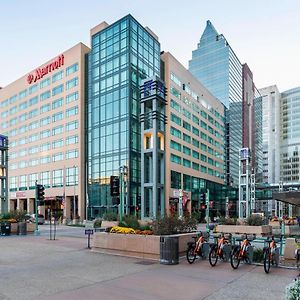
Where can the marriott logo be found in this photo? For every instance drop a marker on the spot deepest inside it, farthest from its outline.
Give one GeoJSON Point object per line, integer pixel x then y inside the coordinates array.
{"type": "Point", "coordinates": [39, 73]}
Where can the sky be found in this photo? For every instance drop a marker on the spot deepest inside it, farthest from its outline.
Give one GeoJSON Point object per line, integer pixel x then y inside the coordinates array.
{"type": "Point", "coordinates": [263, 33]}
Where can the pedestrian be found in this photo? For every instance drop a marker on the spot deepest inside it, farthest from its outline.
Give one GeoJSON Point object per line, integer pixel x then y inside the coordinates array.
{"type": "Point", "coordinates": [298, 220]}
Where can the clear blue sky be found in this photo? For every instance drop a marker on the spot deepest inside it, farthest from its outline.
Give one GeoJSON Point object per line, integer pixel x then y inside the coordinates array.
{"type": "Point", "coordinates": [263, 33]}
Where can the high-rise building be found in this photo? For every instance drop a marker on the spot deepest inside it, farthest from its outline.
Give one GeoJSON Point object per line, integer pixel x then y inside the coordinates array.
{"type": "Point", "coordinates": [195, 137]}
{"type": "Point", "coordinates": [270, 98]}
{"type": "Point", "coordinates": [43, 114]}
{"type": "Point", "coordinates": [218, 68]}
{"type": "Point", "coordinates": [290, 136]}
{"type": "Point", "coordinates": [122, 54]}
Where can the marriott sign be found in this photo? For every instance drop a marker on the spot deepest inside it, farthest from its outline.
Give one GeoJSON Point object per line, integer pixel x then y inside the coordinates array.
{"type": "Point", "coordinates": [40, 72]}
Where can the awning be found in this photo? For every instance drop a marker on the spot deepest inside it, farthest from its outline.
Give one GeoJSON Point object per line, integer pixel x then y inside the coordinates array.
{"type": "Point", "coordinates": [291, 197]}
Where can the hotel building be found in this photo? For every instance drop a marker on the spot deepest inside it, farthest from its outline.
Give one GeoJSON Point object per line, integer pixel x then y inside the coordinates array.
{"type": "Point", "coordinates": [43, 115]}
{"type": "Point", "coordinates": [195, 133]}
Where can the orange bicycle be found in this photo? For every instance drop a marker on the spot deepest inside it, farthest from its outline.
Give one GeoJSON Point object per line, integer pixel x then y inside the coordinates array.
{"type": "Point", "coordinates": [217, 250]}
{"type": "Point", "coordinates": [239, 253]}
{"type": "Point", "coordinates": [270, 254]}
{"type": "Point", "coordinates": [195, 248]}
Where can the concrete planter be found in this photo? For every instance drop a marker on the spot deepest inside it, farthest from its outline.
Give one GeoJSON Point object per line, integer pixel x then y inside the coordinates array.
{"type": "Point", "coordinates": [30, 227]}
{"type": "Point", "coordinates": [135, 245]}
{"type": "Point", "coordinates": [245, 229]}
{"type": "Point", "coordinates": [106, 224]}
{"type": "Point", "coordinates": [14, 228]}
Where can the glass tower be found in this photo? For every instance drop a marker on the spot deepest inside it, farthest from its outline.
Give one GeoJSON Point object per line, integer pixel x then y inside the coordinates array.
{"type": "Point", "coordinates": [122, 55]}
{"type": "Point", "coordinates": [216, 66]}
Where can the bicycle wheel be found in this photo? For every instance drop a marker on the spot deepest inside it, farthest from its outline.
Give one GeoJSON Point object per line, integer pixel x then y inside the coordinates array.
{"type": "Point", "coordinates": [190, 254]}
{"type": "Point", "coordinates": [234, 258]}
{"type": "Point", "coordinates": [267, 261]}
{"type": "Point", "coordinates": [213, 255]}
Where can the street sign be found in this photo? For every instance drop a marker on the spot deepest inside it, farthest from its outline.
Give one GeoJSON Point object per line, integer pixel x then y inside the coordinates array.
{"type": "Point", "coordinates": [89, 231]}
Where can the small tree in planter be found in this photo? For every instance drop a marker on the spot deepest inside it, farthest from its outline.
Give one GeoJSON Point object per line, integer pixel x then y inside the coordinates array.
{"type": "Point", "coordinates": [293, 290]}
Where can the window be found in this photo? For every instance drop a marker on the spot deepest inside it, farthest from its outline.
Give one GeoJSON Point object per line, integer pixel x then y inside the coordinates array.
{"type": "Point", "coordinates": [33, 89]}
{"type": "Point", "coordinates": [45, 147]}
{"type": "Point", "coordinates": [196, 143]}
{"type": "Point", "coordinates": [186, 113]}
{"type": "Point", "coordinates": [72, 83]}
{"type": "Point", "coordinates": [57, 76]}
{"type": "Point", "coordinates": [174, 145]}
{"type": "Point", "coordinates": [45, 121]}
{"type": "Point", "coordinates": [72, 176]}
{"type": "Point", "coordinates": [33, 101]}
{"type": "Point", "coordinates": [57, 117]}
{"type": "Point", "coordinates": [196, 120]}
{"type": "Point", "coordinates": [175, 105]}
{"type": "Point", "coordinates": [186, 163]}
{"type": "Point", "coordinates": [32, 179]}
{"type": "Point", "coordinates": [196, 131]}
{"type": "Point", "coordinates": [72, 111]}
{"type": "Point", "coordinates": [203, 157]}
{"type": "Point", "coordinates": [57, 90]}
{"type": "Point", "coordinates": [34, 149]}
{"type": "Point", "coordinates": [203, 169]}
{"type": "Point", "coordinates": [22, 94]}
{"type": "Point", "coordinates": [72, 69]}
{"type": "Point", "coordinates": [45, 83]}
{"type": "Point", "coordinates": [33, 125]}
{"type": "Point", "coordinates": [57, 157]}
{"type": "Point", "coordinates": [187, 126]}
{"type": "Point", "coordinates": [71, 97]}
{"type": "Point", "coordinates": [23, 183]}
{"type": "Point", "coordinates": [72, 125]}
{"type": "Point", "coordinates": [45, 95]}
{"type": "Point", "coordinates": [175, 132]}
{"type": "Point", "coordinates": [45, 159]}
{"type": "Point", "coordinates": [45, 179]}
{"type": "Point", "coordinates": [175, 119]}
{"type": "Point", "coordinates": [175, 92]}
{"type": "Point", "coordinates": [175, 180]}
{"type": "Point", "coordinates": [22, 105]}
{"type": "Point", "coordinates": [175, 159]}
{"type": "Point", "coordinates": [57, 103]}
{"type": "Point", "coordinates": [57, 143]}
{"type": "Point", "coordinates": [45, 133]}
{"type": "Point", "coordinates": [33, 162]}
{"type": "Point", "coordinates": [72, 140]}
{"type": "Point", "coordinates": [57, 176]}
{"type": "Point", "coordinates": [196, 154]}
{"type": "Point", "coordinates": [45, 108]}
{"type": "Point", "coordinates": [33, 137]}
{"type": "Point", "coordinates": [72, 154]}
{"type": "Point", "coordinates": [203, 125]}
{"type": "Point", "coordinates": [195, 166]}
{"type": "Point", "coordinates": [186, 150]}
{"type": "Point", "coordinates": [58, 130]}
{"type": "Point", "coordinates": [186, 138]}
{"type": "Point", "coordinates": [203, 147]}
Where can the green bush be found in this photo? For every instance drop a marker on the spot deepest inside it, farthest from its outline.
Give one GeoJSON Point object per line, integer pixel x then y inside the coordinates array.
{"type": "Point", "coordinates": [227, 221]}
{"type": "Point", "coordinates": [97, 223]}
{"type": "Point", "coordinates": [172, 225]}
{"type": "Point", "coordinates": [110, 216]}
{"type": "Point", "coordinates": [18, 215]}
{"type": "Point", "coordinates": [254, 220]}
{"type": "Point", "coordinates": [132, 222]}
{"type": "Point", "coordinates": [258, 255]}
{"type": "Point", "coordinates": [293, 290]}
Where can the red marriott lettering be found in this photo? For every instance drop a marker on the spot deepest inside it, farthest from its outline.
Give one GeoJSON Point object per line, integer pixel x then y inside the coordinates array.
{"type": "Point", "coordinates": [40, 72]}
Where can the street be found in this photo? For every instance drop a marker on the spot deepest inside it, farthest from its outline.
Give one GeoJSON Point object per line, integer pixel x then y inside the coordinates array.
{"type": "Point", "coordinates": [34, 267]}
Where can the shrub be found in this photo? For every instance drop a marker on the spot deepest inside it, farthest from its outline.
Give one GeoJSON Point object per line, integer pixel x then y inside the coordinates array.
{"type": "Point", "coordinates": [110, 216]}
{"type": "Point", "coordinates": [258, 255]}
{"type": "Point", "coordinates": [131, 221]}
{"type": "Point", "coordinates": [18, 215]}
{"type": "Point", "coordinates": [227, 221]}
{"type": "Point", "coordinates": [97, 223]}
{"type": "Point", "coordinates": [293, 290]}
{"type": "Point", "coordinates": [254, 220]}
{"type": "Point", "coordinates": [172, 225]}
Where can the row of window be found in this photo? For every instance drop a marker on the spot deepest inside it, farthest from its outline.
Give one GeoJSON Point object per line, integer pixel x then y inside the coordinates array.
{"type": "Point", "coordinates": [47, 81]}
{"type": "Point", "coordinates": [55, 178]}
{"type": "Point", "coordinates": [44, 108]}
{"type": "Point", "coordinates": [70, 154]}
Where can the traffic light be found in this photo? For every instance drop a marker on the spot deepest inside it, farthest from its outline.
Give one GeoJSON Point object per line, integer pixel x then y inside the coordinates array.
{"type": "Point", "coordinates": [114, 186]}
{"type": "Point", "coordinates": [40, 194]}
{"type": "Point", "coordinates": [203, 206]}
{"type": "Point", "coordinates": [202, 197]}
{"type": "Point", "coordinates": [137, 208]}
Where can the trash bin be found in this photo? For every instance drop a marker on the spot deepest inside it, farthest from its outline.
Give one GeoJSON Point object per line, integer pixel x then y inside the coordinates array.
{"type": "Point", "coordinates": [5, 228]}
{"type": "Point", "coordinates": [169, 250]}
{"type": "Point", "coordinates": [22, 228]}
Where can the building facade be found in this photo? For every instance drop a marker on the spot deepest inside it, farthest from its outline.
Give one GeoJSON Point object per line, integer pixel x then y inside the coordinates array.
{"type": "Point", "coordinates": [270, 97]}
{"type": "Point", "coordinates": [122, 55]}
{"type": "Point", "coordinates": [194, 140]}
{"type": "Point", "coordinates": [43, 114]}
{"type": "Point", "coordinates": [3, 174]}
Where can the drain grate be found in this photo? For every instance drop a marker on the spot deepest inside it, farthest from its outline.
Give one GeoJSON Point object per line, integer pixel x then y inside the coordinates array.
{"type": "Point", "coordinates": [145, 262]}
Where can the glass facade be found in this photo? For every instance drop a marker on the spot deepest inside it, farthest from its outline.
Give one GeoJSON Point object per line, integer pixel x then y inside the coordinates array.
{"type": "Point", "coordinates": [122, 55]}
{"type": "Point", "coordinates": [217, 67]}
{"type": "Point", "coordinates": [290, 136]}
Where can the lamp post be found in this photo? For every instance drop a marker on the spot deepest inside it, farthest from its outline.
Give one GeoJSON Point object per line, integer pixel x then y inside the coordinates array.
{"type": "Point", "coordinates": [123, 191]}
{"type": "Point", "coordinates": [74, 201]}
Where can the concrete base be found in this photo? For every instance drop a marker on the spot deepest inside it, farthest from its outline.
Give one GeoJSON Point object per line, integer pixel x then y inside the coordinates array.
{"type": "Point", "coordinates": [134, 245]}
{"type": "Point", "coordinates": [289, 249]}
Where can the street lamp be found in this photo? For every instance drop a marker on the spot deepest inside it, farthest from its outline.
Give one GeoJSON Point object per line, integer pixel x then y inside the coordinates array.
{"type": "Point", "coordinates": [74, 202]}
{"type": "Point", "coordinates": [123, 191]}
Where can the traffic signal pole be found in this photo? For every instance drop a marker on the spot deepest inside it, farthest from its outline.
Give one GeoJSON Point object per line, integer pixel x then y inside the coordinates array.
{"type": "Point", "coordinates": [36, 232]}
{"type": "Point", "coordinates": [207, 211]}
